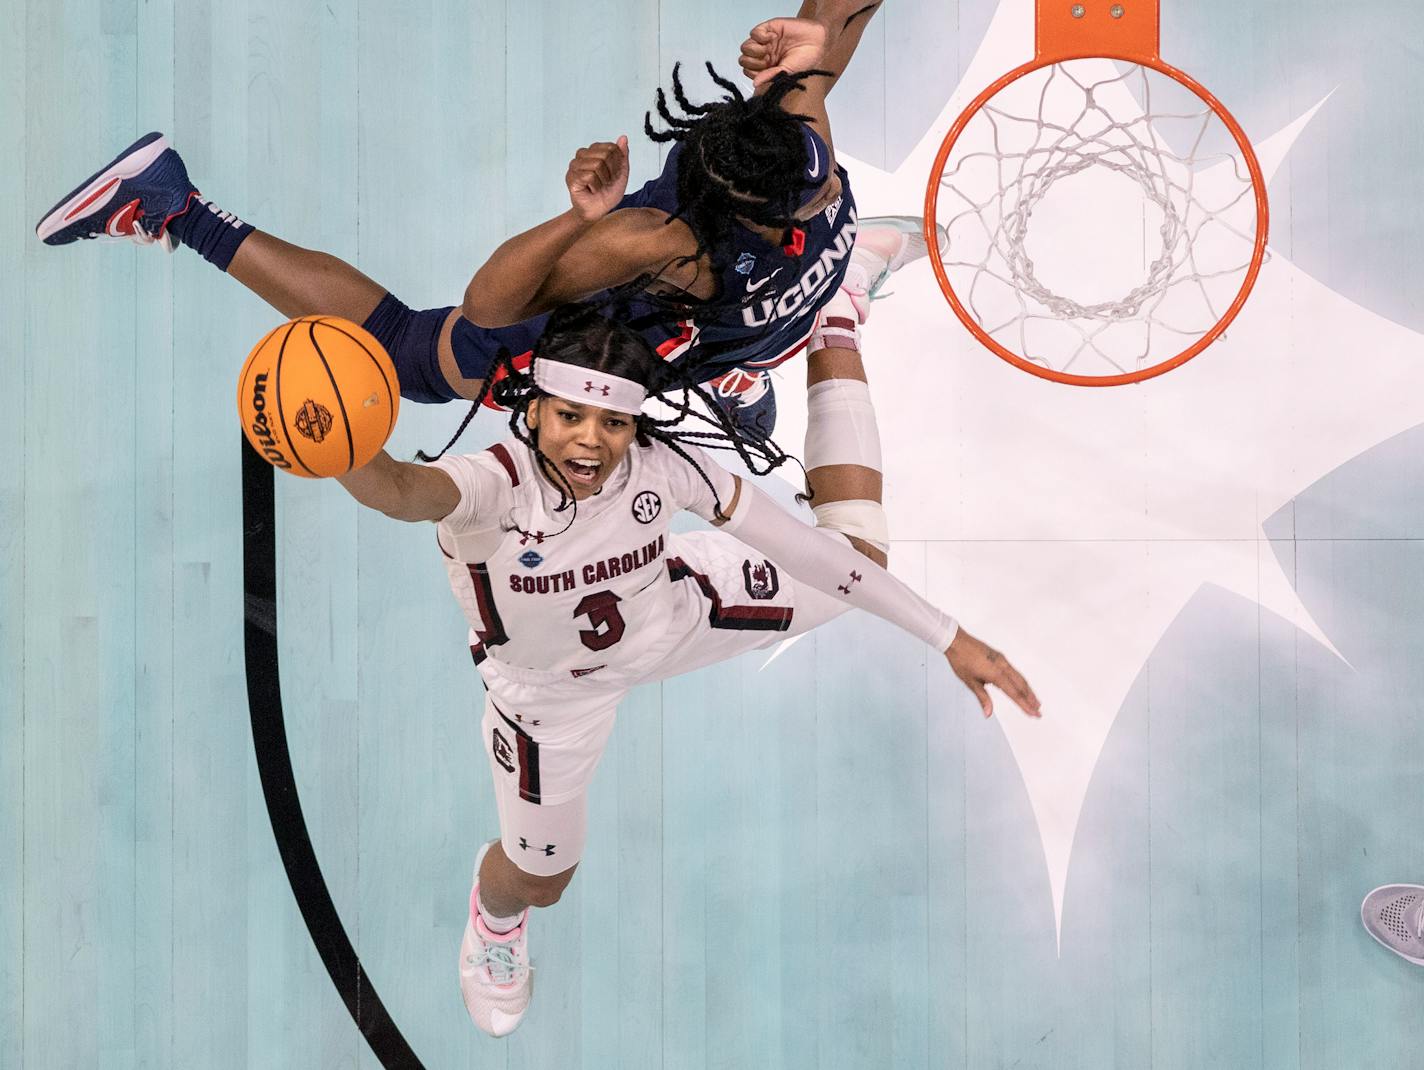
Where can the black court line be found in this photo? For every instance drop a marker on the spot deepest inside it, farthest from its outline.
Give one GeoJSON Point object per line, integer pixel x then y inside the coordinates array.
{"type": "Point", "coordinates": [279, 784]}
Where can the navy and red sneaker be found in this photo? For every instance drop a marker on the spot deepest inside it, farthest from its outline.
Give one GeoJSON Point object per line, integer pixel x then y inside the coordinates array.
{"type": "Point", "coordinates": [746, 395]}
{"type": "Point", "coordinates": [134, 197]}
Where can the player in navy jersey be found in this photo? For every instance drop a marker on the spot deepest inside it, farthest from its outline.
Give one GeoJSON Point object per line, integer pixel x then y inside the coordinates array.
{"type": "Point", "coordinates": [727, 261]}
{"type": "Point", "coordinates": [559, 550]}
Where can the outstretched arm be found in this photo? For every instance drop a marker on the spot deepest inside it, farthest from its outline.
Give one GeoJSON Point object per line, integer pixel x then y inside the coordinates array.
{"type": "Point", "coordinates": [823, 36]}
{"type": "Point", "coordinates": [845, 22]}
{"type": "Point", "coordinates": [402, 490]}
{"type": "Point", "coordinates": [830, 564]}
{"type": "Point", "coordinates": [589, 248]}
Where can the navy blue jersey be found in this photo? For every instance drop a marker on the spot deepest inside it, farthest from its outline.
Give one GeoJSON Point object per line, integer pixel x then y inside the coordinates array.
{"type": "Point", "coordinates": [773, 291]}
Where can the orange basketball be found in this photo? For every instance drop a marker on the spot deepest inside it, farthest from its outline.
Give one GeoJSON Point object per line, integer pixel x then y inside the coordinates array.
{"type": "Point", "coordinates": [318, 396]}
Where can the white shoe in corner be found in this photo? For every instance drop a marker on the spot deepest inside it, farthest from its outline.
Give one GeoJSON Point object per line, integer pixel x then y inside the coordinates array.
{"type": "Point", "coordinates": [1394, 915]}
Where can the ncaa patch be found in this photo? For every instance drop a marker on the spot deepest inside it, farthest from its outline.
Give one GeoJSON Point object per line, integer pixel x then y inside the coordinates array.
{"type": "Point", "coordinates": [760, 579]}
{"type": "Point", "coordinates": [745, 263]}
{"type": "Point", "coordinates": [529, 559]}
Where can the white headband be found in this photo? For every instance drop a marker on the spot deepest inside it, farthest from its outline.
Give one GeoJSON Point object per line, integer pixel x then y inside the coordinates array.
{"type": "Point", "coordinates": [588, 387]}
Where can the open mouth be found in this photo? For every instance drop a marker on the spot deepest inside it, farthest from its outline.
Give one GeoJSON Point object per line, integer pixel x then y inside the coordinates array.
{"type": "Point", "coordinates": [582, 471]}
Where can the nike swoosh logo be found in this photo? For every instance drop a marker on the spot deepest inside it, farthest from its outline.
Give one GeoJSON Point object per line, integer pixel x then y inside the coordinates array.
{"type": "Point", "coordinates": [121, 223]}
{"type": "Point", "coordinates": [814, 171]}
{"type": "Point", "coordinates": [753, 287]}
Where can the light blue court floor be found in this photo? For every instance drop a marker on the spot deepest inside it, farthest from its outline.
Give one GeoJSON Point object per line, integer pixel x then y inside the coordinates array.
{"type": "Point", "coordinates": [828, 861]}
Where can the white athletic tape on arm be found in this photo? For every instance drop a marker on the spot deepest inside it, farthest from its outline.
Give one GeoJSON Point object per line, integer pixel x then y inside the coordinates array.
{"type": "Point", "coordinates": [588, 387]}
{"type": "Point", "coordinates": [837, 324]}
{"type": "Point", "coordinates": [864, 519]}
{"type": "Point", "coordinates": [840, 425]}
{"type": "Point", "coordinates": [828, 563]}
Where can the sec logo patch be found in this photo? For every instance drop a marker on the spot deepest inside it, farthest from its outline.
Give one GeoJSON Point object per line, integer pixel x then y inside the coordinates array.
{"type": "Point", "coordinates": [646, 507]}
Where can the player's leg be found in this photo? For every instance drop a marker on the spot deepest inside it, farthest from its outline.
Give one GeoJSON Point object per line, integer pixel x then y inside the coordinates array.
{"type": "Point", "coordinates": [494, 950]}
{"type": "Point", "coordinates": [302, 282]}
{"type": "Point", "coordinates": [506, 891]}
{"type": "Point", "coordinates": [541, 783]}
{"type": "Point", "coordinates": [438, 354]}
{"type": "Point", "coordinates": [842, 452]}
{"type": "Point", "coordinates": [145, 195]}
{"type": "Point", "coordinates": [547, 840]}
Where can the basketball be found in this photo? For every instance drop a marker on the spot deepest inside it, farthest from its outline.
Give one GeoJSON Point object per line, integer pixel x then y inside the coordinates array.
{"type": "Point", "coordinates": [318, 396]}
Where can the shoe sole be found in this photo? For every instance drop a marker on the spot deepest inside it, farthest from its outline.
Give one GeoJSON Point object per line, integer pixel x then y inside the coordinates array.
{"type": "Point", "coordinates": [99, 188]}
{"type": "Point", "coordinates": [1364, 920]}
{"type": "Point", "coordinates": [912, 226]}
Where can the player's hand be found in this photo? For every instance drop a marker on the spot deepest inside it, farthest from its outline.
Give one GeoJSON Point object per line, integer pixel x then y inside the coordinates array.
{"type": "Point", "coordinates": [597, 178]}
{"type": "Point", "coordinates": [978, 664]}
{"type": "Point", "coordinates": [780, 46]}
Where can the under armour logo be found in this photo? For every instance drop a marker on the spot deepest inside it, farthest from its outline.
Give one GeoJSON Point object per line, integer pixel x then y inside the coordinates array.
{"type": "Point", "coordinates": [520, 718]}
{"type": "Point", "coordinates": [537, 536]}
{"type": "Point", "coordinates": [855, 577]}
{"type": "Point", "coordinates": [589, 388]}
{"type": "Point", "coordinates": [548, 849]}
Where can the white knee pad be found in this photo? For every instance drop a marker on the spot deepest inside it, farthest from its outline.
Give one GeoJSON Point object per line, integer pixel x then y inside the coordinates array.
{"type": "Point", "coordinates": [840, 425]}
{"type": "Point", "coordinates": [862, 519]}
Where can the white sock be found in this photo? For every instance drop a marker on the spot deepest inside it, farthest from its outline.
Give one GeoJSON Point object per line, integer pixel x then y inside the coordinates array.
{"type": "Point", "coordinates": [495, 923]}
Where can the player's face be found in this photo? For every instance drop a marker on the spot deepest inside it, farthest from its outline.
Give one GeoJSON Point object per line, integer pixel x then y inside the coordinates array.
{"type": "Point", "coordinates": [584, 442]}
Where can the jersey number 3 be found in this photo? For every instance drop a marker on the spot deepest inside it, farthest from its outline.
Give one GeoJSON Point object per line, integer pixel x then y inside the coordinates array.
{"type": "Point", "coordinates": [601, 609]}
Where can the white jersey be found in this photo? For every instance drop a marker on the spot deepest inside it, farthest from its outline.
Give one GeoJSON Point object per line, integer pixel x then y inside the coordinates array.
{"type": "Point", "coordinates": [593, 596]}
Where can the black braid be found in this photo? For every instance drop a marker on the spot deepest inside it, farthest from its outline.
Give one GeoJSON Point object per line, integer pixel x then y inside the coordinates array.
{"type": "Point", "coordinates": [736, 145]}
{"type": "Point", "coordinates": [584, 336]}
{"type": "Point", "coordinates": [742, 157]}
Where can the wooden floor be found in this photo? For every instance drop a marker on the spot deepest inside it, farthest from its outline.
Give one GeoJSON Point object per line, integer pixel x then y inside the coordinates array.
{"type": "Point", "coordinates": [827, 863]}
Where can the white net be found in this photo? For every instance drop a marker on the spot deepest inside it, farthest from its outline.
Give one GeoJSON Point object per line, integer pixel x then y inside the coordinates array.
{"type": "Point", "coordinates": [1101, 220]}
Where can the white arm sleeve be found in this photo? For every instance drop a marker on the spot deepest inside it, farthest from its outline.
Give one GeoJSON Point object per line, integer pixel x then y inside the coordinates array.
{"type": "Point", "coordinates": [829, 563]}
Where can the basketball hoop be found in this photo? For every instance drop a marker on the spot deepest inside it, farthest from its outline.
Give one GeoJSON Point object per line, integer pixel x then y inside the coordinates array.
{"type": "Point", "coordinates": [1160, 234]}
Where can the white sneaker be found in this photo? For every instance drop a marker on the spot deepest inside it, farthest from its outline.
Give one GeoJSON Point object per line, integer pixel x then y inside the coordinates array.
{"type": "Point", "coordinates": [883, 245]}
{"type": "Point", "coordinates": [494, 968]}
{"type": "Point", "coordinates": [1394, 915]}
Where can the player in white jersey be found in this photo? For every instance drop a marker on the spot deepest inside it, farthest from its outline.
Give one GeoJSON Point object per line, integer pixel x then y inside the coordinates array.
{"type": "Point", "coordinates": [558, 546]}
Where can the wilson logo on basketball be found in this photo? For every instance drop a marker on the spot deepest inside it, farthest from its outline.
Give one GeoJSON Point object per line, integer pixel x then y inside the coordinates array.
{"type": "Point", "coordinates": [262, 432]}
{"type": "Point", "coordinates": [313, 421]}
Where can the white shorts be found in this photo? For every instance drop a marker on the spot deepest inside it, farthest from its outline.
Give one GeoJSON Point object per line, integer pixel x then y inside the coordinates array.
{"type": "Point", "coordinates": [544, 732]}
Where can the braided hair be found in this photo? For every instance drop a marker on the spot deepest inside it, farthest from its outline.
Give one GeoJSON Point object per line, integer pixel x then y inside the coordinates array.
{"type": "Point", "coordinates": [740, 157]}
{"type": "Point", "coordinates": [582, 335]}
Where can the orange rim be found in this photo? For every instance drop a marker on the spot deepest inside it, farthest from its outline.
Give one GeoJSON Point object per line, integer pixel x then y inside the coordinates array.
{"type": "Point", "coordinates": [1258, 254]}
